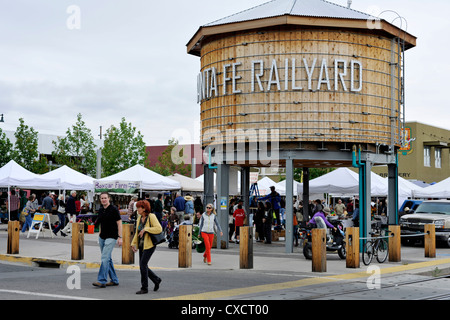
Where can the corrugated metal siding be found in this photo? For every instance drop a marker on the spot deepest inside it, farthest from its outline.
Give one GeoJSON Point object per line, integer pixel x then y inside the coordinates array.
{"type": "Point", "coordinates": [306, 8]}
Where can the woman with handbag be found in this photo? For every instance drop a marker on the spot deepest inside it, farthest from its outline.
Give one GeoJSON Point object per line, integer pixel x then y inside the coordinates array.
{"type": "Point", "coordinates": [206, 226]}
{"type": "Point", "coordinates": [147, 224]}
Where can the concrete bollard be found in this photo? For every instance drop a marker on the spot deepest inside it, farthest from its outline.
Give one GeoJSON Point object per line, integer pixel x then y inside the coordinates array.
{"type": "Point", "coordinates": [394, 244]}
{"type": "Point", "coordinates": [430, 241]}
{"type": "Point", "coordinates": [77, 241]}
{"type": "Point", "coordinates": [246, 248]}
{"type": "Point", "coordinates": [127, 237]}
{"type": "Point", "coordinates": [352, 247]}
{"type": "Point", "coordinates": [319, 250]}
{"type": "Point", "coordinates": [13, 237]}
{"type": "Point", "coordinates": [185, 247]}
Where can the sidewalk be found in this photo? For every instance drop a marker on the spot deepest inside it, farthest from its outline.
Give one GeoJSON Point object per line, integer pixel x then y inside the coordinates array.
{"type": "Point", "coordinates": [47, 251]}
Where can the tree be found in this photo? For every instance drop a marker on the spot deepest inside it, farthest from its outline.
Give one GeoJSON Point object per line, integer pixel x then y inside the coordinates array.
{"type": "Point", "coordinates": [165, 165]}
{"type": "Point", "coordinates": [26, 149]}
{"type": "Point", "coordinates": [122, 149]}
{"type": "Point", "coordinates": [6, 149]}
{"type": "Point", "coordinates": [77, 148]}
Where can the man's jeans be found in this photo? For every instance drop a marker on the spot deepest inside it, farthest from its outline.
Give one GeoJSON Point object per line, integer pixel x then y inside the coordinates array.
{"type": "Point", "coordinates": [107, 266]}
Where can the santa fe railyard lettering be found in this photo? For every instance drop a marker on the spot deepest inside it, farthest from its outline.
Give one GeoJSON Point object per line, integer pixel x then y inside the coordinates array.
{"type": "Point", "coordinates": [285, 75]}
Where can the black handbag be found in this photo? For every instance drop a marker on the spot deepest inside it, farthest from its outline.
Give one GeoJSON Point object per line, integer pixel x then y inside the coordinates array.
{"type": "Point", "coordinates": [158, 238]}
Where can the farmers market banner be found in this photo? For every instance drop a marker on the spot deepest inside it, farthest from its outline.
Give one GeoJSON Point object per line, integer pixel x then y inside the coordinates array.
{"type": "Point", "coordinates": [117, 186]}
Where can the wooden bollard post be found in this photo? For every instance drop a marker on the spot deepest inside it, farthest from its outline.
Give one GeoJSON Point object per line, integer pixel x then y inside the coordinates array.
{"type": "Point", "coordinates": [352, 247]}
{"type": "Point", "coordinates": [127, 237]}
{"type": "Point", "coordinates": [430, 241]}
{"type": "Point", "coordinates": [394, 244]}
{"type": "Point", "coordinates": [77, 241]}
{"type": "Point", "coordinates": [185, 247]}
{"type": "Point", "coordinates": [13, 237]}
{"type": "Point", "coordinates": [319, 250]}
{"type": "Point", "coordinates": [245, 248]}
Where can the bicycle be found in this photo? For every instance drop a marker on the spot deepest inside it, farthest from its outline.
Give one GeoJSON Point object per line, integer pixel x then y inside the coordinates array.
{"type": "Point", "coordinates": [375, 247]}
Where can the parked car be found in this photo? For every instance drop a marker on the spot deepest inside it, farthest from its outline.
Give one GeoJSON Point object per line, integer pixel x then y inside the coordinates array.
{"type": "Point", "coordinates": [409, 206]}
{"type": "Point", "coordinates": [430, 211]}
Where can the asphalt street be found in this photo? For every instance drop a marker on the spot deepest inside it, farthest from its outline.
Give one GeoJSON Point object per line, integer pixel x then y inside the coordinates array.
{"type": "Point", "coordinates": [44, 271]}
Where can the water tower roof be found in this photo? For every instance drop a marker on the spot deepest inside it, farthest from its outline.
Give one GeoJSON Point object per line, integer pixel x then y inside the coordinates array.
{"type": "Point", "coordinates": [304, 8]}
{"type": "Point", "coordinates": [317, 13]}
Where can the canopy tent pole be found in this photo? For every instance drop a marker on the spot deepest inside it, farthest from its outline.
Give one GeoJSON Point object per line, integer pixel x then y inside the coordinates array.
{"type": "Point", "coordinates": [9, 204]}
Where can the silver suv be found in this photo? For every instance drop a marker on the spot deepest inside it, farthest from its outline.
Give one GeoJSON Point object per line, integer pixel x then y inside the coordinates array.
{"type": "Point", "coordinates": [431, 211]}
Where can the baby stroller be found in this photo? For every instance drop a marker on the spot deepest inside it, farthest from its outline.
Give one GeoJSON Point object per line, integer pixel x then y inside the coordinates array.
{"type": "Point", "coordinates": [173, 238]}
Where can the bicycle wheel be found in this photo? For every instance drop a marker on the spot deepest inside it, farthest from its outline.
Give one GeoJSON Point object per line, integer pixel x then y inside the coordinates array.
{"type": "Point", "coordinates": [382, 250]}
{"type": "Point", "coordinates": [367, 254]}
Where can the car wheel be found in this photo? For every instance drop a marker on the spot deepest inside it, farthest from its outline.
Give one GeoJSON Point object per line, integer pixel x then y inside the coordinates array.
{"type": "Point", "coordinates": [448, 241]}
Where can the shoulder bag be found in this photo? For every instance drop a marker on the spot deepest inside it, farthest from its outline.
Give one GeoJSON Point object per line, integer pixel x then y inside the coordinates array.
{"type": "Point", "coordinates": [157, 238]}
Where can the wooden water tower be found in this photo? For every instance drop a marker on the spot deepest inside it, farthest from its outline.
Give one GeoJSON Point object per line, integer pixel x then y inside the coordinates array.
{"type": "Point", "coordinates": [301, 83]}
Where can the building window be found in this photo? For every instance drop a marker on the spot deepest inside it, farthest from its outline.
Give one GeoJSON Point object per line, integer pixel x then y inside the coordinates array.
{"type": "Point", "coordinates": [437, 157]}
{"type": "Point", "coordinates": [426, 156]}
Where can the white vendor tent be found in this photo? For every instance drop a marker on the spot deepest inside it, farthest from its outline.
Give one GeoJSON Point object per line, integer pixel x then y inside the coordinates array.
{"type": "Point", "coordinates": [264, 187]}
{"type": "Point", "coordinates": [71, 179]}
{"type": "Point", "coordinates": [438, 190]}
{"type": "Point", "coordinates": [143, 178]}
{"type": "Point", "coordinates": [281, 186]}
{"type": "Point", "coordinates": [14, 175]}
{"type": "Point", "coordinates": [339, 182]}
{"type": "Point", "coordinates": [188, 184]}
{"type": "Point", "coordinates": [407, 189]}
{"type": "Point", "coordinates": [201, 179]}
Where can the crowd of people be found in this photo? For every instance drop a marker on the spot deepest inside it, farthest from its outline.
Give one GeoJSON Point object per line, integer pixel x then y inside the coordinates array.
{"type": "Point", "coordinates": [154, 216]}
{"type": "Point", "coordinates": [23, 208]}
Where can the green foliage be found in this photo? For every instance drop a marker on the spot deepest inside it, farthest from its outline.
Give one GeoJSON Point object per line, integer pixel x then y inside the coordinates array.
{"type": "Point", "coordinates": [6, 149]}
{"type": "Point", "coordinates": [166, 166]}
{"type": "Point", "coordinates": [26, 146]}
{"type": "Point", "coordinates": [123, 148]}
{"type": "Point", "coordinates": [25, 151]}
{"type": "Point", "coordinates": [77, 148]}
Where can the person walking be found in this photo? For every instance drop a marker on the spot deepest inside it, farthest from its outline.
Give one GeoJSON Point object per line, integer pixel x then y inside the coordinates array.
{"type": "Point", "coordinates": [206, 227]}
{"type": "Point", "coordinates": [239, 216]}
{"type": "Point", "coordinates": [179, 203]}
{"type": "Point", "coordinates": [146, 225]}
{"type": "Point", "coordinates": [339, 208]}
{"type": "Point", "coordinates": [110, 232]}
{"type": "Point", "coordinates": [71, 211]}
{"type": "Point", "coordinates": [259, 225]}
{"type": "Point", "coordinates": [61, 215]}
{"type": "Point", "coordinates": [267, 221]}
{"type": "Point", "coordinates": [159, 206]}
{"type": "Point", "coordinates": [14, 204]}
{"type": "Point", "coordinates": [31, 207]}
{"type": "Point", "coordinates": [274, 198]}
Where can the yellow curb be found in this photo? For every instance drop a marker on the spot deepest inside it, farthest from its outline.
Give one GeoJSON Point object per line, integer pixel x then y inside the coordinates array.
{"type": "Point", "coordinates": [89, 265]}
{"type": "Point", "coordinates": [303, 282]}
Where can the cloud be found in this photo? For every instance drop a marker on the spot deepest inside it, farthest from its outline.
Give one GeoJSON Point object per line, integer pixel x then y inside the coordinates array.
{"type": "Point", "coordinates": [129, 60]}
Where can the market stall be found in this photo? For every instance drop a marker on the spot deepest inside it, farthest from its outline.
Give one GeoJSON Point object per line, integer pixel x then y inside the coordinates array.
{"type": "Point", "coordinates": [133, 181]}
{"type": "Point", "coordinates": [14, 175]}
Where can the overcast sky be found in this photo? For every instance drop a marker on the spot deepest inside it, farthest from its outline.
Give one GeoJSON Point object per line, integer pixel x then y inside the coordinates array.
{"type": "Point", "coordinates": [128, 59]}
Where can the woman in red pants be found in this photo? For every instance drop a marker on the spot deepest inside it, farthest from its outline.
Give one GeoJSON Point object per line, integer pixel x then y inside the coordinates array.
{"type": "Point", "coordinates": [206, 227]}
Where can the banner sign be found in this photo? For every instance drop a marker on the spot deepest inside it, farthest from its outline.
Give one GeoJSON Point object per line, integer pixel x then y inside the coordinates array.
{"type": "Point", "coordinates": [117, 186]}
